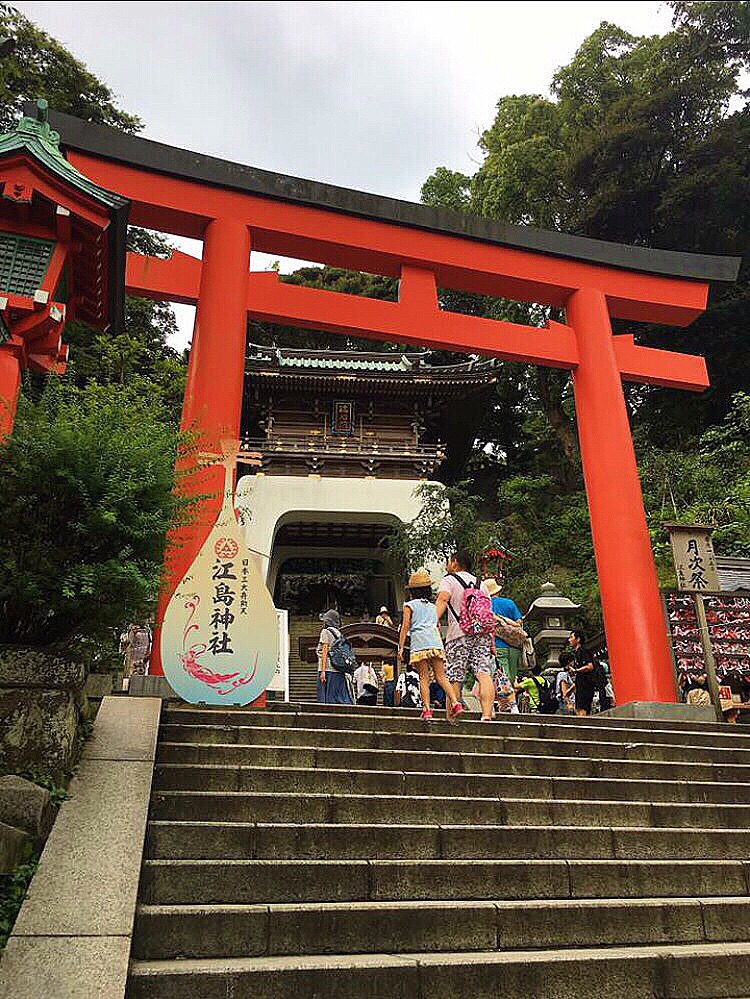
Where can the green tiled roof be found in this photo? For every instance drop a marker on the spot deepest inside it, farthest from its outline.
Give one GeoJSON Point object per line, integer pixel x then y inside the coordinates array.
{"type": "Point", "coordinates": [400, 363]}
{"type": "Point", "coordinates": [36, 137]}
{"type": "Point", "coordinates": [366, 362]}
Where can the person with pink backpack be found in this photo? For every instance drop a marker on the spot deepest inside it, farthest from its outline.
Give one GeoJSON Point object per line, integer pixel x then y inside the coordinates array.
{"type": "Point", "coordinates": [470, 634]}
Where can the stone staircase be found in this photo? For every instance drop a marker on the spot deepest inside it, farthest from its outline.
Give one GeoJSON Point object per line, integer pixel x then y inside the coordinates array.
{"type": "Point", "coordinates": [302, 676]}
{"type": "Point", "coordinates": [308, 851]}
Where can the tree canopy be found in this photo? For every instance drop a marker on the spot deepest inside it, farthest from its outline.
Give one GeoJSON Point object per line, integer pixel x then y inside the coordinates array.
{"type": "Point", "coordinates": [86, 479]}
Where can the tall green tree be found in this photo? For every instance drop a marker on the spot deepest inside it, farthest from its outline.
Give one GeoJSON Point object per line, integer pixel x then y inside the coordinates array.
{"type": "Point", "coordinates": [41, 67]}
{"type": "Point", "coordinates": [86, 479]}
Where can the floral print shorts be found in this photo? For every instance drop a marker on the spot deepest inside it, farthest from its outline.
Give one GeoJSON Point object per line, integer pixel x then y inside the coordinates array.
{"type": "Point", "coordinates": [467, 651]}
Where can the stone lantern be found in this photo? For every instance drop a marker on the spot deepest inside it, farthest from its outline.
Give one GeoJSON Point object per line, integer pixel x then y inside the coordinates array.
{"type": "Point", "coordinates": [552, 609]}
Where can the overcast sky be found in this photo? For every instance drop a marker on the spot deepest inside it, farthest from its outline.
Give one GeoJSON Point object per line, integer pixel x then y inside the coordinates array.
{"type": "Point", "coordinates": [372, 96]}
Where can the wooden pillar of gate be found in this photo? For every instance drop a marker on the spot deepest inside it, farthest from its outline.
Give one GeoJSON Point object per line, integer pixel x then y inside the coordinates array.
{"type": "Point", "coordinates": [212, 405]}
{"type": "Point", "coordinates": [637, 640]}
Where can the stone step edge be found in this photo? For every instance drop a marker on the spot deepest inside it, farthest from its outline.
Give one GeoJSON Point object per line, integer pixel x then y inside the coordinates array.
{"type": "Point", "coordinates": [362, 711]}
{"type": "Point", "coordinates": [708, 764]}
{"type": "Point", "coordinates": [448, 862]}
{"type": "Point", "coordinates": [685, 920]}
{"type": "Point", "coordinates": [436, 774]}
{"type": "Point", "coordinates": [325, 796]}
{"type": "Point", "coordinates": [369, 961]}
{"type": "Point", "coordinates": [562, 879]}
{"type": "Point", "coordinates": [404, 827]}
{"type": "Point", "coordinates": [210, 909]}
{"type": "Point", "coordinates": [743, 755]}
{"type": "Point", "coordinates": [311, 747]}
{"type": "Point", "coordinates": [584, 734]}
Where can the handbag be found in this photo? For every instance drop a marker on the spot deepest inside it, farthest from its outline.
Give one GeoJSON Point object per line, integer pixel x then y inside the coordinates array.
{"type": "Point", "coordinates": [509, 631]}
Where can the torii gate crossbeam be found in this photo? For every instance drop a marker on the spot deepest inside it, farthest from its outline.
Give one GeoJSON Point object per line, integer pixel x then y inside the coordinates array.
{"type": "Point", "coordinates": [232, 207]}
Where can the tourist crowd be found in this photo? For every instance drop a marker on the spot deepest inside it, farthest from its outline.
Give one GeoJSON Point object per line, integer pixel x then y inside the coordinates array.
{"type": "Point", "coordinates": [464, 646]}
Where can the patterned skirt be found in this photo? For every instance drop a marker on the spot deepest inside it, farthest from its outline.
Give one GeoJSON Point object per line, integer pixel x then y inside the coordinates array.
{"type": "Point", "coordinates": [423, 654]}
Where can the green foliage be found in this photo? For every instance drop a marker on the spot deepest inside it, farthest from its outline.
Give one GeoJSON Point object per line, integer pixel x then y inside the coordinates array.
{"type": "Point", "coordinates": [42, 67]}
{"type": "Point", "coordinates": [447, 189]}
{"type": "Point", "coordinates": [138, 356]}
{"type": "Point", "coordinates": [708, 483]}
{"type": "Point", "coordinates": [86, 480]}
{"type": "Point", "coordinates": [86, 492]}
{"type": "Point", "coordinates": [57, 792]}
{"type": "Point", "coordinates": [449, 518]}
{"type": "Point", "coordinates": [12, 893]}
{"type": "Point", "coordinates": [644, 140]}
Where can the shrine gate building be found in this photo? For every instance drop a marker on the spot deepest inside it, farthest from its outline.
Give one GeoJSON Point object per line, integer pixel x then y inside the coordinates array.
{"type": "Point", "coordinates": [341, 441]}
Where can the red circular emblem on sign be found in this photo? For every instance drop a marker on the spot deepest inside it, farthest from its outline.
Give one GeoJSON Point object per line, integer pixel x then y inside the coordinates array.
{"type": "Point", "coordinates": [226, 547]}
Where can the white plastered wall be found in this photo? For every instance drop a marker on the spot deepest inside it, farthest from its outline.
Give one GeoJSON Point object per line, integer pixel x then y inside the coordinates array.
{"type": "Point", "coordinates": [266, 502]}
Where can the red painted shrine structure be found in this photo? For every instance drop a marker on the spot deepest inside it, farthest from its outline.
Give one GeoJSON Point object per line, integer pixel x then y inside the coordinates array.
{"type": "Point", "coordinates": [234, 209]}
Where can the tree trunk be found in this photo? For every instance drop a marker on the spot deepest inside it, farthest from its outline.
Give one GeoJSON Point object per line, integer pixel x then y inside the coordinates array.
{"type": "Point", "coordinates": [551, 385]}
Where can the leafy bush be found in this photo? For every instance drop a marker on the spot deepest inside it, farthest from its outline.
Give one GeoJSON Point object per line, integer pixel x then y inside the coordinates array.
{"type": "Point", "coordinates": [86, 492]}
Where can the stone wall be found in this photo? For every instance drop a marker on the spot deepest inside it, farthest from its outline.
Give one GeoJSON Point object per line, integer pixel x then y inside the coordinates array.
{"type": "Point", "coordinates": [42, 707]}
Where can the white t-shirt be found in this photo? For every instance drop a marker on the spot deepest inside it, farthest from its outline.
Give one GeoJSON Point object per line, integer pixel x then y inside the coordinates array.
{"type": "Point", "coordinates": [451, 586]}
{"type": "Point", "coordinates": [364, 674]}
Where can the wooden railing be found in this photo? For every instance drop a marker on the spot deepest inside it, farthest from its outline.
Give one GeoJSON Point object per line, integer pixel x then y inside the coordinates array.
{"type": "Point", "coordinates": [328, 446]}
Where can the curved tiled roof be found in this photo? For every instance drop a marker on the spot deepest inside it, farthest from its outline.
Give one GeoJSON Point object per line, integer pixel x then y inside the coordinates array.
{"type": "Point", "coordinates": [35, 137]}
{"type": "Point", "coordinates": [391, 363]}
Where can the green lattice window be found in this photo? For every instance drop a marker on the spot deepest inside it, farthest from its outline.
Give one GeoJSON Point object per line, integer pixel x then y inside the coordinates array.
{"type": "Point", "coordinates": [23, 263]}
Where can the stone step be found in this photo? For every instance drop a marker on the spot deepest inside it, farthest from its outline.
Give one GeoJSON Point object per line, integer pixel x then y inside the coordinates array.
{"type": "Point", "coordinates": [450, 742]}
{"type": "Point", "coordinates": [324, 841]}
{"type": "Point", "coordinates": [218, 777]}
{"type": "Point", "coordinates": [256, 882]}
{"type": "Point", "coordinates": [526, 726]}
{"type": "Point", "coordinates": [692, 971]}
{"type": "Point", "coordinates": [252, 806]}
{"type": "Point", "coordinates": [354, 716]}
{"type": "Point", "coordinates": [447, 762]}
{"type": "Point", "coordinates": [198, 931]}
{"type": "Point", "coordinates": [601, 720]}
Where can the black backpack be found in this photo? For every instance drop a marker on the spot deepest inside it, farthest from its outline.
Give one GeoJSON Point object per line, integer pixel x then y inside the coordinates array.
{"type": "Point", "coordinates": [548, 702]}
{"type": "Point", "coordinates": [341, 654]}
{"type": "Point", "coordinates": [599, 675]}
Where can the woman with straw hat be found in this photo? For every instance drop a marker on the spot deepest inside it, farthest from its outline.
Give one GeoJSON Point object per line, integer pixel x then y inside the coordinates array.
{"type": "Point", "coordinates": [419, 623]}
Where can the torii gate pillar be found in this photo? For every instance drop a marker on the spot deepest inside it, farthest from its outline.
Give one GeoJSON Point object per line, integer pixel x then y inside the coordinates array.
{"type": "Point", "coordinates": [637, 639]}
{"type": "Point", "coordinates": [212, 405]}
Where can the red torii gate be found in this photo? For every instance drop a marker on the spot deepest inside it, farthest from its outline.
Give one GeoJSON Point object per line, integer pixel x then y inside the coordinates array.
{"type": "Point", "coordinates": [233, 207]}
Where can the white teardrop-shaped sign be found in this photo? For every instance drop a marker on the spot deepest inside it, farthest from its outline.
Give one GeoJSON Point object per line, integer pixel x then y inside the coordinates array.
{"type": "Point", "coordinates": [219, 638]}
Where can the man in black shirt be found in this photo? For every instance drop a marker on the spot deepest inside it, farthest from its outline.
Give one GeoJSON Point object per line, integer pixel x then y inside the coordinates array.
{"type": "Point", "coordinates": [582, 669]}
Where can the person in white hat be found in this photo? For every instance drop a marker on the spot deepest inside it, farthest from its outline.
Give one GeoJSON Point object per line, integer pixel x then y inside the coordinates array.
{"type": "Point", "coordinates": [384, 618]}
{"type": "Point", "coordinates": [425, 644]}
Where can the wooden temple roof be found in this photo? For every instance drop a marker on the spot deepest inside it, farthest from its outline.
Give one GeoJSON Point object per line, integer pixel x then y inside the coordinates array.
{"type": "Point", "coordinates": [411, 370]}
